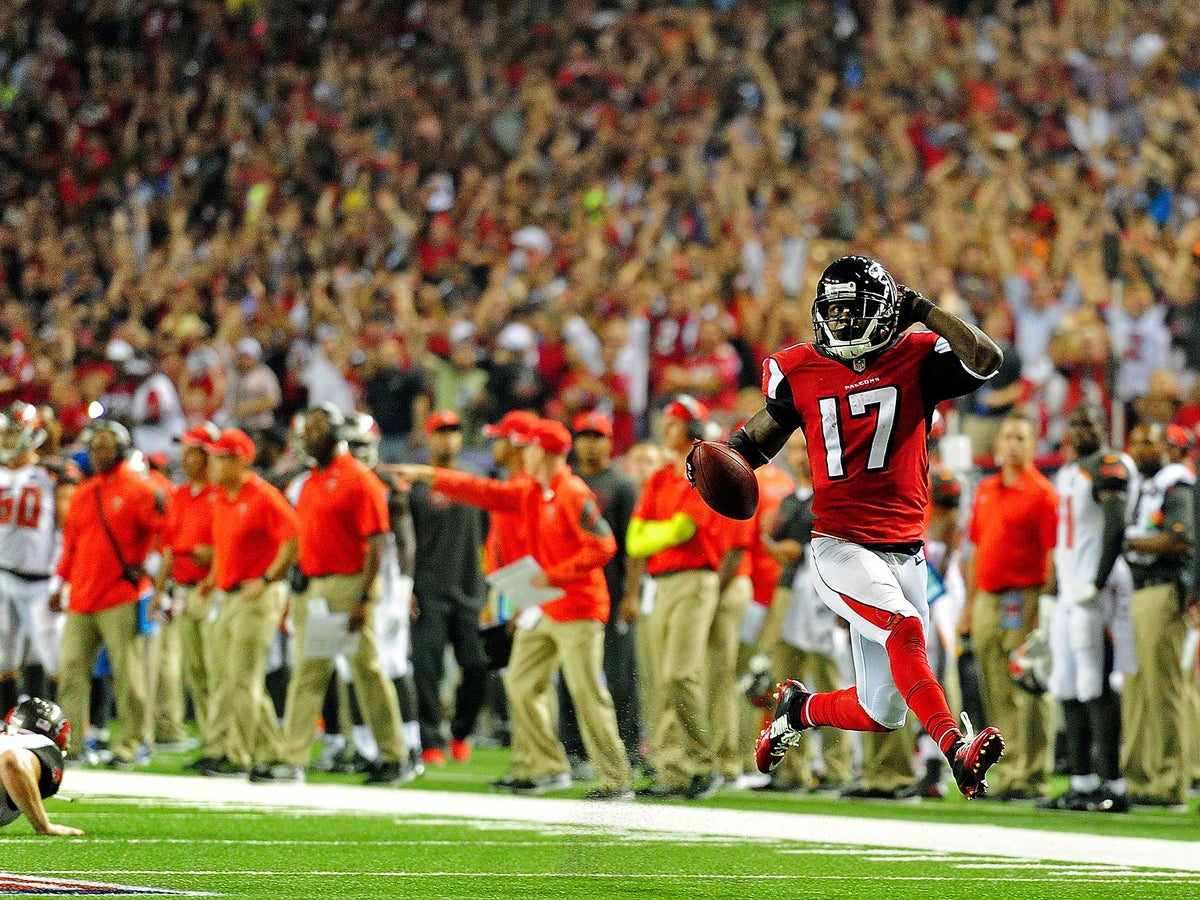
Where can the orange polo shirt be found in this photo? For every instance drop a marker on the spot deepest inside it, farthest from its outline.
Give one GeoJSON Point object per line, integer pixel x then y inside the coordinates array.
{"type": "Point", "coordinates": [1013, 528]}
{"type": "Point", "coordinates": [188, 525]}
{"type": "Point", "coordinates": [90, 564]}
{"type": "Point", "coordinates": [248, 530]}
{"type": "Point", "coordinates": [506, 540]}
{"type": "Point", "coordinates": [569, 538]}
{"type": "Point", "coordinates": [773, 485]}
{"type": "Point", "coordinates": [339, 507]}
{"type": "Point", "coordinates": [666, 493]}
{"type": "Point", "coordinates": [735, 534]}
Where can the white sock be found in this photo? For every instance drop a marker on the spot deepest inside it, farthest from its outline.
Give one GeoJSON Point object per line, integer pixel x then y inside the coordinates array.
{"type": "Point", "coordinates": [335, 743]}
{"type": "Point", "coordinates": [1116, 787]}
{"type": "Point", "coordinates": [1085, 784]}
{"type": "Point", "coordinates": [364, 742]}
{"type": "Point", "coordinates": [411, 732]}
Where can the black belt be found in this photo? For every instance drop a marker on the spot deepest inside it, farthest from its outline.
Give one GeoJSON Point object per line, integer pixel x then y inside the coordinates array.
{"type": "Point", "coordinates": [1153, 579]}
{"type": "Point", "coordinates": [24, 576]}
{"type": "Point", "coordinates": [909, 549]}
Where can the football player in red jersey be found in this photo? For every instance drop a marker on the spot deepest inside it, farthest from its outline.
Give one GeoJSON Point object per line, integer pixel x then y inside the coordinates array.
{"type": "Point", "coordinates": [864, 393]}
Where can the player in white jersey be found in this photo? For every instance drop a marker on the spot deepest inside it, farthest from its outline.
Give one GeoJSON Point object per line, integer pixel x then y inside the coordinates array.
{"type": "Point", "coordinates": [1091, 633]}
{"type": "Point", "coordinates": [32, 741]}
{"type": "Point", "coordinates": [30, 543]}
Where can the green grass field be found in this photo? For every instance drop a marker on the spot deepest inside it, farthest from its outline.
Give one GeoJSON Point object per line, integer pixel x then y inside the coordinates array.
{"type": "Point", "coordinates": [447, 836]}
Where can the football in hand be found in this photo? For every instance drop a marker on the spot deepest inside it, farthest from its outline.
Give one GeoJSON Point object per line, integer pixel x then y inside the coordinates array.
{"type": "Point", "coordinates": [725, 480]}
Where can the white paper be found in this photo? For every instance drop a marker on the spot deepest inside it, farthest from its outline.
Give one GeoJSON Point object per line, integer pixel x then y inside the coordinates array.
{"type": "Point", "coordinates": [513, 582]}
{"type": "Point", "coordinates": [327, 634]}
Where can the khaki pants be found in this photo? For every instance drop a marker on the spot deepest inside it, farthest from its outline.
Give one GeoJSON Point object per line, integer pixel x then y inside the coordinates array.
{"type": "Point", "coordinates": [164, 665]}
{"type": "Point", "coordinates": [724, 702]}
{"type": "Point", "coordinates": [537, 652]}
{"type": "Point", "coordinates": [310, 678]}
{"type": "Point", "coordinates": [683, 612]}
{"type": "Point", "coordinates": [649, 686]}
{"type": "Point", "coordinates": [819, 674]}
{"type": "Point", "coordinates": [887, 759]}
{"type": "Point", "coordinates": [192, 626]}
{"type": "Point", "coordinates": [117, 629]}
{"type": "Point", "coordinates": [1191, 718]}
{"type": "Point", "coordinates": [1023, 719]}
{"type": "Point", "coordinates": [1152, 705]}
{"type": "Point", "coordinates": [243, 716]}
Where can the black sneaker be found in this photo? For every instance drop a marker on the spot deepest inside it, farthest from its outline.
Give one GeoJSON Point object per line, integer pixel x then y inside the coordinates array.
{"type": "Point", "coordinates": [1073, 800]}
{"type": "Point", "coordinates": [778, 737]}
{"type": "Point", "coordinates": [862, 792]}
{"type": "Point", "coordinates": [276, 773]}
{"type": "Point", "coordinates": [1105, 800]}
{"type": "Point", "coordinates": [222, 768]}
{"type": "Point", "coordinates": [623, 793]}
{"type": "Point", "coordinates": [391, 773]}
{"type": "Point", "coordinates": [198, 765]}
{"type": "Point", "coordinates": [704, 787]}
{"type": "Point", "coordinates": [972, 755]}
{"type": "Point", "coordinates": [658, 790]}
{"type": "Point", "coordinates": [354, 764]}
{"type": "Point", "coordinates": [543, 784]}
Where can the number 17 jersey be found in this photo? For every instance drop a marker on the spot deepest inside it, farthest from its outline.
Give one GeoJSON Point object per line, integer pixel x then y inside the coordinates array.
{"type": "Point", "coordinates": [867, 431]}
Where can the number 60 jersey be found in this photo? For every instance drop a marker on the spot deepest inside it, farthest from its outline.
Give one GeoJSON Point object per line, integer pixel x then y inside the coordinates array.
{"type": "Point", "coordinates": [28, 523]}
{"type": "Point", "coordinates": [867, 431]}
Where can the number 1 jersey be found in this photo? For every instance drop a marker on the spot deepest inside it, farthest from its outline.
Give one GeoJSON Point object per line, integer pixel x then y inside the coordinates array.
{"type": "Point", "coordinates": [867, 431]}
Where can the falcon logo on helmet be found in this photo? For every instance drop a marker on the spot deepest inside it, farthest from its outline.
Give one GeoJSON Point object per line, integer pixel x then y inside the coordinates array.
{"type": "Point", "coordinates": [40, 717]}
{"type": "Point", "coordinates": [857, 309]}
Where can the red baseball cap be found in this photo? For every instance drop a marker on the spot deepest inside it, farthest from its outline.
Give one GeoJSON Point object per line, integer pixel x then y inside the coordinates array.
{"type": "Point", "coordinates": [592, 423]}
{"type": "Point", "coordinates": [515, 427]}
{"type": "Point", "coordinates": [686, 408]}
{"type": "Point", "coordinates": [1179, 438]}
{"type": "Point", "coordinates": [552, 437]}
{"type": "Point", "coordinates": [442, 418]}
{"type": "Point", "coordinates": [233, 442]}
{"type": "Point", "coordinates": [200, 436]}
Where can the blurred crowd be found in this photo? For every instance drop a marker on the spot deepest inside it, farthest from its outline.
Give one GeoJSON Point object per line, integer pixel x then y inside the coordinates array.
{"type": "Point", "coordinates": [242, 207]}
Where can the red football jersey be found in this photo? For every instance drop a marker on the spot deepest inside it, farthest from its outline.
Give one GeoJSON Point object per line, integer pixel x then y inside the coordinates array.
{"type": "Point", "coordinates": [867, 431]}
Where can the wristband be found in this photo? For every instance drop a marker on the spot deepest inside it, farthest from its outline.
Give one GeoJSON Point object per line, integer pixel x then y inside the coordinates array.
{"type": "Point", "coordinates": [921, 309]}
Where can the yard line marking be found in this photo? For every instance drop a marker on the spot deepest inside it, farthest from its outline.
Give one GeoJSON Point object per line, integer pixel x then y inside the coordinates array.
{"type": "Point", "coordinates": [971, 838]}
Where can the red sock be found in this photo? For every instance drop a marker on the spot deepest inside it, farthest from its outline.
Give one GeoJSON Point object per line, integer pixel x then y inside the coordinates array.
{"type": "Point", "coordinates": [839, 709]}
{"type": "Point", "coordinates": [917, 684]}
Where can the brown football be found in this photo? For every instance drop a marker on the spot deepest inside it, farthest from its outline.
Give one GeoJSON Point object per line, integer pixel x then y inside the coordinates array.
{"type": "Point", "coordinates": [725, 480]}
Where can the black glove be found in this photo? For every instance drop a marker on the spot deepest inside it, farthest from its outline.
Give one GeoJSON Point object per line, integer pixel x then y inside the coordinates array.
{"type": "Point", "coordinates": [689, 468]}
{"type": "Point", "coordinates": [914, 307]}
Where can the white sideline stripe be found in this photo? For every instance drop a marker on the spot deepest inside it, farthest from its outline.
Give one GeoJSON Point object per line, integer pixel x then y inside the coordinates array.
{"type": "Point", "coordinates": [971, 838]}
{"type": "Point", "coordinates": [1079, 877]}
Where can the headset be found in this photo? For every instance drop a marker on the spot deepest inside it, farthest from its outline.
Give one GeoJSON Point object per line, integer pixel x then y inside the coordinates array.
{"type": "Point", "coordinates": [119, 431]}
{"type": "Point", "coordinates": [695, 425]}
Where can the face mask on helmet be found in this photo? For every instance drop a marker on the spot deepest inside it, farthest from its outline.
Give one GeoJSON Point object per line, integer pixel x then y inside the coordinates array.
{"type": "Point", "coordinates": [13, 439]}
{"type": "Point", "coordinates": [857, 310]}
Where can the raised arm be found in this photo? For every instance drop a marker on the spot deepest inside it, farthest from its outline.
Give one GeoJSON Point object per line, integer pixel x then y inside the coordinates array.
{"type": "Point", "coordinates": [977, 351]}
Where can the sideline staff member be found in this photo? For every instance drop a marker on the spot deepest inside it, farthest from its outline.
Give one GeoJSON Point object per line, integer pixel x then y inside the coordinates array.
{"type": "Point", "coordinates": [110, 523]}
{"type": "Point", "coordinates": [1014, 525]}
{"type": "Point", "coordinates": [254, 543]}
{"type": "Point", "coordinates": [343, 515]}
